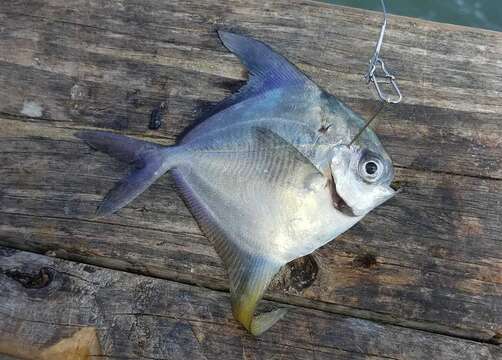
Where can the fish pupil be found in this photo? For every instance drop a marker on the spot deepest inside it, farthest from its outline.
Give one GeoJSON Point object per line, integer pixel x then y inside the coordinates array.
{"type": "Point", "coordinates": [371, 168]}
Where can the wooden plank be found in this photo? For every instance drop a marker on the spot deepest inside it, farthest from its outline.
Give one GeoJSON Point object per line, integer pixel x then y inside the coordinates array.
{"type": "Point", "coordinates": [109, 66]}
{"type": "Point", "coordinates": [430, 258]}
{"type": "Point", "coordinates": [48, 303]}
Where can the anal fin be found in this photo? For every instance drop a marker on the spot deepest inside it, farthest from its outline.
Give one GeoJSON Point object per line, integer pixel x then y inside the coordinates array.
{"type": "Point", "coordinates": [249, 277]}
{"type": "Point", "coordinates": [249, 274]}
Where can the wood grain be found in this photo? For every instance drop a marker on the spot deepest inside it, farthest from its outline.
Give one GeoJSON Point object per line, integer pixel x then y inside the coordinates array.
{"type": "Point", "coordinates": [436, 247]}
{"type": "Point", "coordinates": [109, 66]}
{"type": "Point", "coordinates": [141, 317]}
{"type": "Point", "coordinates": [429, 259]}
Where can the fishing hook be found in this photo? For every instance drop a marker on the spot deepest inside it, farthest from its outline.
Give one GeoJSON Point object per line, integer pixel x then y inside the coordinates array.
{"type": "Point", "coordinates": [376, 63]}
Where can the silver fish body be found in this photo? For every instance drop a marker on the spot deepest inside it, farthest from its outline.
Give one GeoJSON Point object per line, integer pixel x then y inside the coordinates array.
{"type": "Point", "coordinates": [269, 176]}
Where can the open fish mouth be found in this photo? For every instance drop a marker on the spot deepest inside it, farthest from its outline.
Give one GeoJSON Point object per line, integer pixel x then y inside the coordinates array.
{"type": "Point", "coordinates": [338, 201]}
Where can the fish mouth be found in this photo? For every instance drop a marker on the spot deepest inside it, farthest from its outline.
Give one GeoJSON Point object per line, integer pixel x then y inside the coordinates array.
{"type": "Point", "coordinates": [337, 200]}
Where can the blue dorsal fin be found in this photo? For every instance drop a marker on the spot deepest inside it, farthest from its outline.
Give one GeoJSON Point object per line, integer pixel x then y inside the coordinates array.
{"type": "Point", "coordinates": [267, 69]}
{"type": "Point", "coordinates": [262, 62]}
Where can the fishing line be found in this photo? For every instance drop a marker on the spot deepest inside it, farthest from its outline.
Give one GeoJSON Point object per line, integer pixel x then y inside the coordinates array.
{"type": "Point", "coordinates": [382, 105]}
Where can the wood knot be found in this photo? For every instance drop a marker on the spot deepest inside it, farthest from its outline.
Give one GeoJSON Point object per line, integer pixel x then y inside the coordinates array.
{"type": "Point", "coordinates": [298, 274]}
{"type": "Point", "coordinates": [31, 281]}
{"type": "Point", "coordinates": [367, 260]}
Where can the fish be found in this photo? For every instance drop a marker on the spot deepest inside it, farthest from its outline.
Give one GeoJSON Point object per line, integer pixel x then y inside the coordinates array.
{"type": "Point", "coordinates": [271, 174]}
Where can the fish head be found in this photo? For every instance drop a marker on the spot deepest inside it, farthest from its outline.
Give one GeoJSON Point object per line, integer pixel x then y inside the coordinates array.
{"type": "Point", "coordinates": [361, 178]}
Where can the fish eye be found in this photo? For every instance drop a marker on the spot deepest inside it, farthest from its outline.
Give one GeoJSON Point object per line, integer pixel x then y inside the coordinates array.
{"type": "Point", "coordinates": [371, 168]}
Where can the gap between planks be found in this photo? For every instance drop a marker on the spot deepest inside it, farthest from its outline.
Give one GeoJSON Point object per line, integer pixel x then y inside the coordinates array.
{"type": "Point", "coordinates": [354, 312]}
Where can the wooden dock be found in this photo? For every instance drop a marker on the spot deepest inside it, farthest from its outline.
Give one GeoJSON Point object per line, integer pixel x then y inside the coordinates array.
{"type": "Point", "coordinates": [419, 278]}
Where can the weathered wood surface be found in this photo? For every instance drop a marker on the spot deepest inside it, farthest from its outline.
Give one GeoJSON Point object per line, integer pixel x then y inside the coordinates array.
{"type": "Point", "coordinates": [140, 317]}
{"type": "Point", "coordinates": [122, 58]}
{"type": "Point", "coordinates": [429, 259]}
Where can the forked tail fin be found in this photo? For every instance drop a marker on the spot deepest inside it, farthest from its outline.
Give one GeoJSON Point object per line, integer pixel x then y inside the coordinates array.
{"type": "Point", "coordinates": [149, 161]}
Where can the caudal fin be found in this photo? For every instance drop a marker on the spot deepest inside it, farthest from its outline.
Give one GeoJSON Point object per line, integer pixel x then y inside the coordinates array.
{"type": "Point", "coordinates": [149, 162]}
